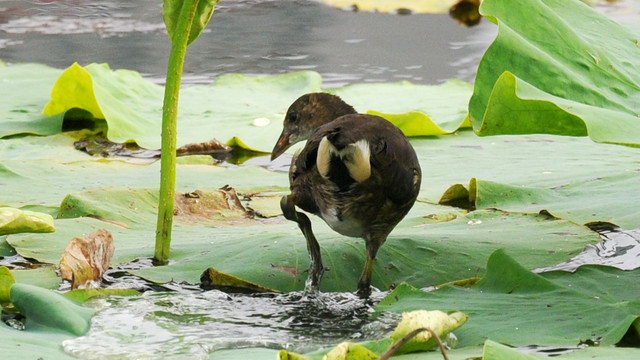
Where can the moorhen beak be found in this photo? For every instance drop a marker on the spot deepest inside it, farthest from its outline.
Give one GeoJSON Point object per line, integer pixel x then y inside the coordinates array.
{"type": "Point", "coordinates": [281, 145]}
{"type": "Point", "coordinates": [358, 172]}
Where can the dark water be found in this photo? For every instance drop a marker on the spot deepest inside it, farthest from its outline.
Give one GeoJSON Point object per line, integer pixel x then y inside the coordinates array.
{"type": "Point", "coordinates": [250, 37]}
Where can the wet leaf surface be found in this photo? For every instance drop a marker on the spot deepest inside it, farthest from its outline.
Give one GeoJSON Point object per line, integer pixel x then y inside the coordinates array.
{"type": "Point", "coordinates": [594, 304]}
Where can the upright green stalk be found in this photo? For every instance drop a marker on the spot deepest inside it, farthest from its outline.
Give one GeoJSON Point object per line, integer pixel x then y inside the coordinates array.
{"type": "Point", "coordinates": [179, 43]}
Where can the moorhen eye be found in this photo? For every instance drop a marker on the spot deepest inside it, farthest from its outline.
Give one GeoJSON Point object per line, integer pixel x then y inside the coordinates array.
{"type": "Point", "coordinates": [358, 172]}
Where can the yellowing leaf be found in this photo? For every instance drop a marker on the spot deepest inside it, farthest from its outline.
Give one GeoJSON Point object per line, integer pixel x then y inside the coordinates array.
{"type": "Point", "coordinates": [287, 355]}
{"type": "Point", "coordinates": [420, 6]}
{"type": "Point", "coordinates": [349, 351]}
{"type": "Point", "coordinates": [74, 83]}
{"type": "Point", "coordinates": [86, 259]}
{"type": "Point", "coordinates": [214, 279]}
{"type": "Point", "coordinates": [6, 281]}
{"type": "Point", "coordinates": [13, 221]}
{"type": "Point", "coordinates": [440, 322]}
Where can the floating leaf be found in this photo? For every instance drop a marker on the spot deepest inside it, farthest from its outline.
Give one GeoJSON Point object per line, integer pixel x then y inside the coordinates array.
{"type": "Point", "coordinates": [594, 304]}
{"type": "Point", "coordinates": [423, 6]}
{"type": "Point", "coordinates": [13, 221]}
{"type": "Point", "coordinates": [25, 87]}
{"type": "Point", "coordinates": [568, 201]}
{"type": "Point", "coordinates": [50, 309]}
{"type": "Point", "coordinates": [288, 355]}
{"type": "Point", "coordinates": [6, 281]}
{"type": "Point", "coordinates": [86, 259]}
{"type": "Point", "coordinates": [560, 76]}
{"type": "Point", "coordinates": [440, 322]}
{"type": "Point", "coordinates": [349, 351]}
{"type": "Point", "coordinates": [418, 110]}
{"type": "Point", "coordinates": [82, 295]}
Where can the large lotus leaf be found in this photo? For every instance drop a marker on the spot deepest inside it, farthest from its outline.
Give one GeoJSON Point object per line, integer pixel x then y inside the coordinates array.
{"type": "Point", "coordinates": [608, 198]}
{"type": "Point", "coordinates": [515, 306]}
{"type": "Point", "coordinates": [527, 160]}
{"type": "Point", "coordinates": [419, 6]}
{"type": "Point", "coordinates": [418, 110]}
{"type": "Point", "coordinates": [38, 162]}
{"type": "Point", "coordinates": [560, 76]}
{"type": "Point", "coordinates": [132, 105]}
{"type": "Point", "coordinates": [24, 89]}
{"type": "Point", "coordinates": [273, 254]}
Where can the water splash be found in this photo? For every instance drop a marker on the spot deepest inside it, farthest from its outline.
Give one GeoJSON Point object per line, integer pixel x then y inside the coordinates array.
{"type": "Point", "coordinates": [193, 324]}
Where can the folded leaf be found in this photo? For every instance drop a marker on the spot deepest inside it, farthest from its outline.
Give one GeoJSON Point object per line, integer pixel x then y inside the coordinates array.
{"type": "Point", "coordinates": [574, 73]}
{"type": "Point", "coordinates": [50, 309]}
{"type": "Point", "coordinates": [6, 281]}
{"type": "Point", "coordinates": [440, 322]}
{"type": "Point", "coordinates": [85, 259]}
{"type": "Point", "coordinates": [13, 221]}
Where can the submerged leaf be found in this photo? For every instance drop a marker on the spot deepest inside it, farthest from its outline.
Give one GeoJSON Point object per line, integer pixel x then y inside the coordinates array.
{"type": "Point", "coordinates": [86, 259]}
{"type": "Point", "coordinates": [214, 279]}
{"type": "Point", "coordinates": [50, 309]}
{"type": "Point", "coordinates": [13, 221]}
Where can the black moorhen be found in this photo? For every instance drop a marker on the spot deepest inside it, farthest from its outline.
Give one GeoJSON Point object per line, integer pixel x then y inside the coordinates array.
{"type": "Point", "coordinates": [357, 172]}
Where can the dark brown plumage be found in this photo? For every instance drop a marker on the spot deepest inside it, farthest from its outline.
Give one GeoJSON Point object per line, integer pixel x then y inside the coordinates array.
{"type": "Point", "coordinates": [357, 172]}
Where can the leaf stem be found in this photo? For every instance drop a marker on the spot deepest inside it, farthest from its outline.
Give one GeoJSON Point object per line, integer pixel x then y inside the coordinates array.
{"type": "Point", "coordinates": [169, 125]}
{"type": "Point", "coordinates": [393, 348]}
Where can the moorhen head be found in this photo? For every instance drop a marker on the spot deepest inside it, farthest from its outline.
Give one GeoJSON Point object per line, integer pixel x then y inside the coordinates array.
{"type": "Point", "coordinates": [358, 172]}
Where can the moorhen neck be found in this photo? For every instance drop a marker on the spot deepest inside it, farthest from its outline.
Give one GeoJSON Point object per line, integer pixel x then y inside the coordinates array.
{"type": "Point", "coordinates": [358, 172]}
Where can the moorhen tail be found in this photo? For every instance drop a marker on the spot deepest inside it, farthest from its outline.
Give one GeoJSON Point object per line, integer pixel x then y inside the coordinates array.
{"type": "Point", "coordinates": [358, 172]}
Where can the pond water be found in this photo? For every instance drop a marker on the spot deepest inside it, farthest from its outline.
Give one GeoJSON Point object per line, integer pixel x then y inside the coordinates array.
{"type": "Point", "coordinates": [249, 37]}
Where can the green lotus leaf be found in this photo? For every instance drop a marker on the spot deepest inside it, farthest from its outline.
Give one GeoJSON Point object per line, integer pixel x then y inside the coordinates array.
{"type": "Point", "coordinates": [560, 76]}
{"type": "Point", "coordinates": [49, 309]}
{"type": "Point", "coordinates": [512, 305]}
{"type": "Point", "coordinates": [25, 88]}
{"type": "Point", "coordinates": [609, 199]}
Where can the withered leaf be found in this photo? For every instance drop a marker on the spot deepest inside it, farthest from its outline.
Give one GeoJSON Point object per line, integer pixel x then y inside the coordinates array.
{"type": "Point", "coordinates": [85, 259]}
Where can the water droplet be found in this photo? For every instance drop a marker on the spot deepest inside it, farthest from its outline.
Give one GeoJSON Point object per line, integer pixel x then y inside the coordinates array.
{"type": "Point", "coordinates": [261, 122]}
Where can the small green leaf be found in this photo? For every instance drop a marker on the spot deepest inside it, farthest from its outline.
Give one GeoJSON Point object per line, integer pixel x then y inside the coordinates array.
{"type": "Point", "coordinates": [50, 309]}
{"type": "Point", "coordinates": [172, 9]}
{"type": "Point", "coordinates": [13, 221]}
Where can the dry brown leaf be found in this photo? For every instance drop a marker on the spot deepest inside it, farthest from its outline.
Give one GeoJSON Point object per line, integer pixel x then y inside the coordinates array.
{"type": "Point", "coordinates": [221, 204]}
{"type": "Point", "coordinates": [85, 259]}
